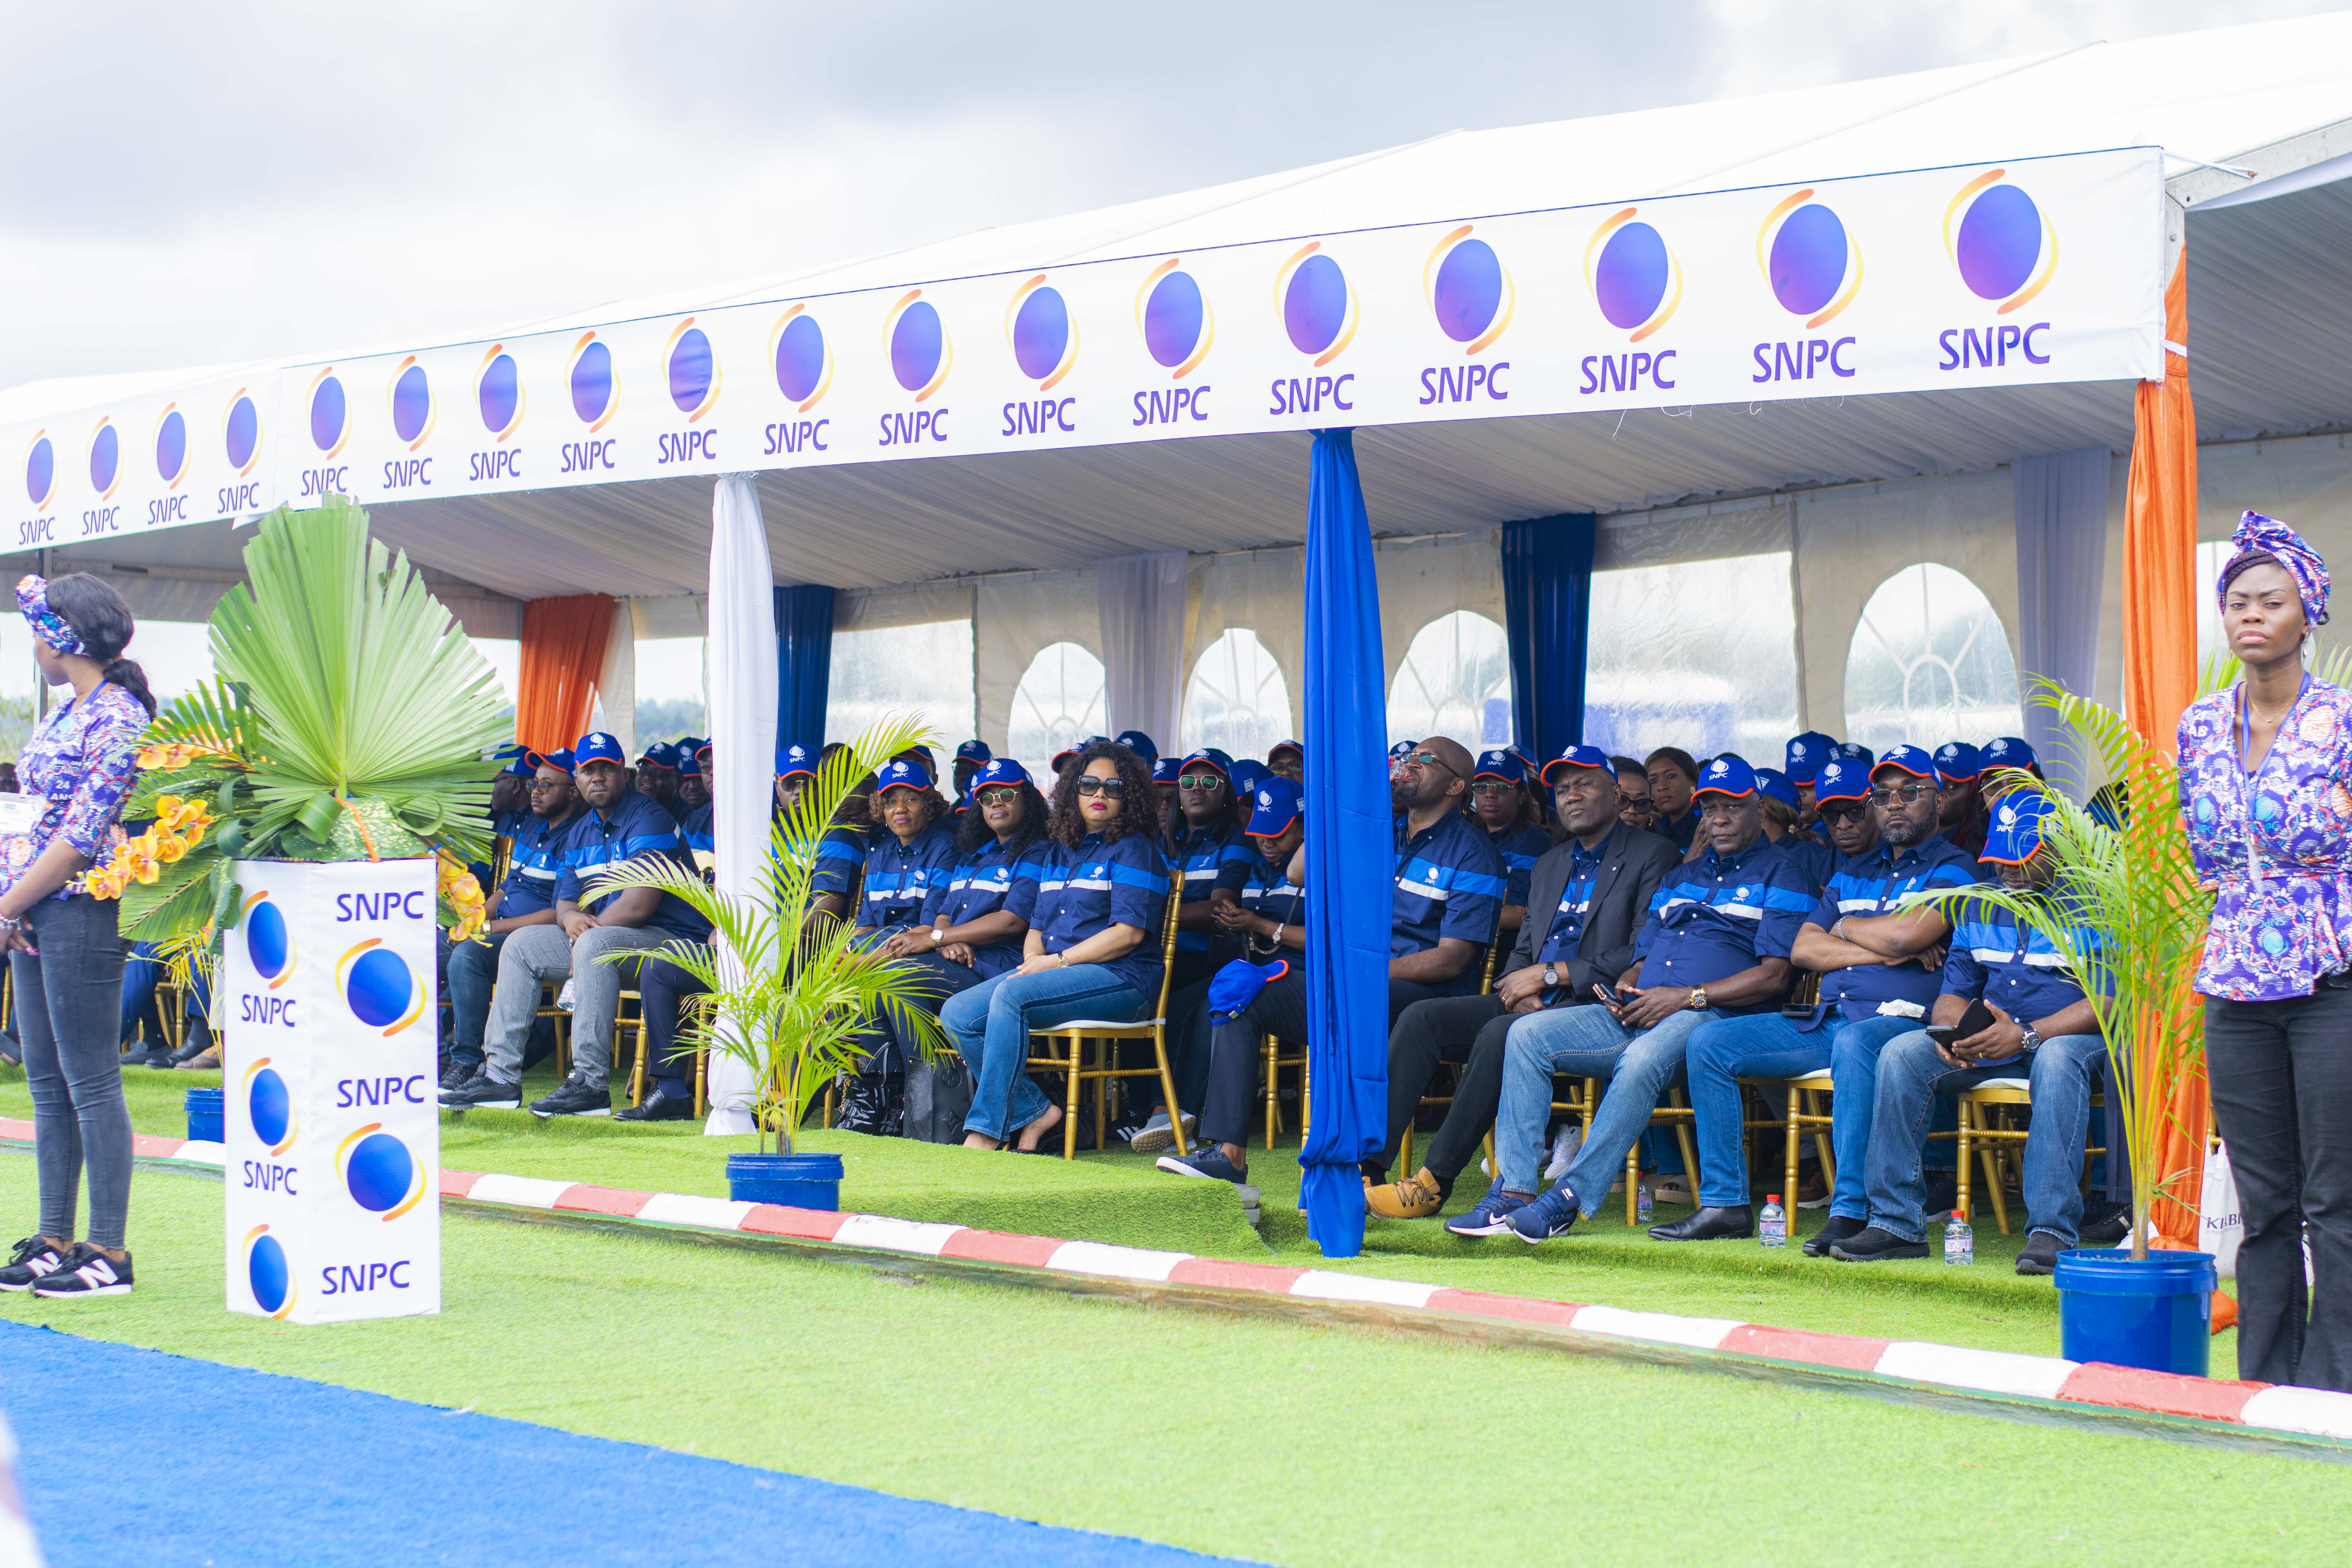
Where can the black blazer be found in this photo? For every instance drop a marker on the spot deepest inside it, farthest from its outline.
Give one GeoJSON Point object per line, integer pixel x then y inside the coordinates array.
{"type": "Point", "coordinates": [1632, 863]}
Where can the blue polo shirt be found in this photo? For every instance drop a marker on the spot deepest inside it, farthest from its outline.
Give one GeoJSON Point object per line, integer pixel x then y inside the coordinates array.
{"type": "Point", "coordinates": [1209, 859]}
{"type": "Point", "coordinates": [695, 829]}
{"type": "Point", "coordinates": [511, 824]}
{"type": "Point", "coordinates": [840, 856]}
{"type": "Point", "coordinates": [988, 880]}
{"type": "Point", "coordinates": [900, 877]}
{"type": "Point", "coordinates": [1270, 894]}
{"type": "Point", "coordinates": [1520, 848]}
{"type": "Point", "coordinates": [1449, 882]}
{"type": "Point", "coordinates": [1566, 932]}
{"type": "Point", "coordinates": [638, 829]}
{"type": "Point", "coordinates": [1682, 830]}
{"type": "Point", "coordinates": [535, 866]}
{"type": "Point", "coordinates": [2010, 964]}
{"type": "Point", "coordinates": [1815, 861]}
{"type": "Point", "coordinates": [1713, 916]}
{"type": "Point", "coordinates": [1872, 883]}
{"type": "Point", "coordinates": [1084, 891]}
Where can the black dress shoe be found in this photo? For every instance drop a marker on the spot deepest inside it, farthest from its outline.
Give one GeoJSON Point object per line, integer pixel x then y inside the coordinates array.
{"type": "Point", "coordinates": [2040, 1253]}
{"type": "Point", "coordinates": [1708, 1225]}
{"type": "Point", "coordinates": [659, 1106]}
{"type": "Point", "coordinates": [1875, 1246]}
{"type": "Point", "coordinates": [1835, 1229]}
{"type": "Point", "coordinates": [2109, 1227]}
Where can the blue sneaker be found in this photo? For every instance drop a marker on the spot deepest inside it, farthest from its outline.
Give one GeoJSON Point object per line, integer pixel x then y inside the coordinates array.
{"type": "Point", "coordinates": [1491, 1215]}
{"type": "Point", "coordinates": [1548, 1216]}
{"type": "Point", "coordinates": [1208, 1162]}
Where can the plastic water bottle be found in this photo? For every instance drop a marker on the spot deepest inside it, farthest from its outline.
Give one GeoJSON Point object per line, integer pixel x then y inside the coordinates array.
{"type": "Point", "coordinates": [1641, 1201]}
{"type": "Point", "coordinates": [1959, 1241]}
{"type": "Point", "coordinates": [1772, 1225]}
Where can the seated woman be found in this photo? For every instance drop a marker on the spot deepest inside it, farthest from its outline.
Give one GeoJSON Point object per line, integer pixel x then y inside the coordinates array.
{"type": "Point", "coordinates": [913, 854]}
{"type": "Point", "coordinates": [1204, 846]}
{"type": "Point", "coordinates": [1502, 804]}
{"type": "Point", "coordinates": [1093, 950]}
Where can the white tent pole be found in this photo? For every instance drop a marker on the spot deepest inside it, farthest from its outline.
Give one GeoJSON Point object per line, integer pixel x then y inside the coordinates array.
{"type": "Point", "coordinates": [741, 659]}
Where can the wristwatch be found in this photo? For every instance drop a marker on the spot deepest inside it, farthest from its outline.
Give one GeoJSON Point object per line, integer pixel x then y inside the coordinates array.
{"type": "Point", "coordinates": [938, 934]}
{"type": "Point", "coordinates": [1699, 999]}
{"type": "Point", "coordinates": [2032, 1041]}
{"type": "Point", "coordinates": [1550, 978]}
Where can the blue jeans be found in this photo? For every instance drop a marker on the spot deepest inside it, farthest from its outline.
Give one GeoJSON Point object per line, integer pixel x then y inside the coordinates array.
{"type": "Point", "coordinates": [1640, 1066]}
{"type": "Point", "coordinates": [473, 972]}
{"type": "Point", "coordinates": [143, 972]}
{"type": "Point", "coordinates": [1771, 1045]}
{"type": "Point", "coordinates": [990, 1025]}
{"type": "Point", "coordinates": [1911, 1075]}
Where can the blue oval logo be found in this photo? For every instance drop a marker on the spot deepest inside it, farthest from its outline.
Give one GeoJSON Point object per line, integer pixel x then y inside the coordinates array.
{"type": "Point", "coordinates": [692, 369]}
{"type": "Point", "coordinates": [267, 1273]}
{"type": "Point", "coordinates": [1812, 262]}
{"type": "Point", "coordinates": [918, 343]}
{"type": "Point", "coordinates": [412, 403]}
{"type": "Point", "coordinates": [2001, 244]}
{"type": "Point", "coordinates": [270, 1106]}
{"type": "Point", "coordinates": [1044, 340]}
{"type": "Point", "coordinates": [589, 376]}
{"type": "Point", "coordinates": [172, 446]}
{"type": "Point", "coordinates": [268, 945]}
{"type": "Point", "coordinates": [498, 392]}
{"type": "Point", "coordinates": [41, 471]}
{"type": "Point", "coordinates": [241, 434]}
{"type": "Point", "coordinates": [803, 359]}
{"type": "Point", "coordinates": [330, 415]}
{"type": "Point", "coordinates": [379, 1172]}
{"type": "Point", "coordinates": [1469, 290]}
{"type": "Point", "coordinates": [1632, 274]}
{"type": "Point", "coordinates": [1317, 305]}
{"type": "Point", "coordinates": [379, 988]}
{"type": "Point", "coordinates": [1175, 318]}
{"type": "Point", "coordinates": [105, 459]}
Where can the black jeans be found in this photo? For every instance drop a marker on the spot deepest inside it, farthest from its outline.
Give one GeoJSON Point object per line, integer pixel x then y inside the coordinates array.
{"type": "Point", "coordinates": [1280, 1010]}
{"type": "Point", "coordinates": [68, 1005]}
{"type": "Point", "coordinates": [1426, 1034]}
{"type": "Point", "coordinates": [2282, 1080]}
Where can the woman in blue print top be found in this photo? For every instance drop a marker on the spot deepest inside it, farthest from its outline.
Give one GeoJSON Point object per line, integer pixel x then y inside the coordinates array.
{"type": "Point", "coordinates": [1092, 949]}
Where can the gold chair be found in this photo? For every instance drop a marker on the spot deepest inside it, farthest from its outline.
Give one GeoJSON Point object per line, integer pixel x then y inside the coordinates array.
{"type": "Point", "coordinates": [642, 1072]}
{"type": "Point", "coordinates": [1802, 1113]}
{"type": "Point", "coordinates": [1065, 1049]}
{"type": "Point", "coordinates": [1988, 1131]}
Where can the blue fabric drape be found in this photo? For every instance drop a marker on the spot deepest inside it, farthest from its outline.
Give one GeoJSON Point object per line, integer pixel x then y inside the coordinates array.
{"type": "Point", "coordinates": [1548, 605]}
{"type": "Point", "coordinates": [804, 663]}
{"type": "Point", "coordinates": [1349, 851]}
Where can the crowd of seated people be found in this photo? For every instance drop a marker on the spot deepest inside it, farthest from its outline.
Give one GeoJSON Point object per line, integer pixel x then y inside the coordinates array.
{"type": "Point", "coordinates": [1645, 924]}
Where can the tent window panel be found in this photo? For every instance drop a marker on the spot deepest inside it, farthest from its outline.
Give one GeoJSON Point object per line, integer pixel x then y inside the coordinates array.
{"type": "Point", "coordinates": [1237, 700]}
{"type": "Point", "coordinates": [1700, 655]}
{"type": "Point", "coordinates": [1454, 680]}
{"type": "Point", "coordinates": [925, 669]}
{"type": "Point", "coordinates": [1061, 699]}
{"type": "Point", "coordinates": [1929, 663]}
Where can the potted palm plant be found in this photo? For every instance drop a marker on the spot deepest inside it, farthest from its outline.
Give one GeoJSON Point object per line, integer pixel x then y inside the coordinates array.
{"type": "Point", "coordinates": [791, 992]}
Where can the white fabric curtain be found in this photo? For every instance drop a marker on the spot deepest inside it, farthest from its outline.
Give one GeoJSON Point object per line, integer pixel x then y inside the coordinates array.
{"type": "Point", "coordinates": [741, 659]}
{"type": "Point", "coordinates": [1139, 602]}
{"type": "Point", "coordinates": [616, 682]}
{"type": "Point", "coordinates": [2061, 556]}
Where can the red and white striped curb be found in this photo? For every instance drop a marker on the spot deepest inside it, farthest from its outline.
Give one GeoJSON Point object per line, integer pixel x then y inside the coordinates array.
{"type": "Point", "coordinates": [2302, 1411]}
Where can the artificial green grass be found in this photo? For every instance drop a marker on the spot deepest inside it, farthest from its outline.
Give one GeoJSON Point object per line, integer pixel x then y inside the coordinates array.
{"type": "Point", "coordinates": [1118, 1197]}
{"type": "Point", "coordinates": [1244, 1436]}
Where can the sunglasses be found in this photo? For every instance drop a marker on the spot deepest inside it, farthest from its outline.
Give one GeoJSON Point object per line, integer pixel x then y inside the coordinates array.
{"type": "Point", "coordinates": [1428, 760]}
{"type": "Point", "coordinates": [1005, 794]}
{"type": "Point", "coordinates": [1110, 789]}
{"type": "Point", "coordinates": [1201, 780]}
{"type": "Point", "coordinates": [1836, 813]}
{"type": "Point", "coordinates": [1907, 794]}
{"type": "Point", "coordinates": [1492, 786]}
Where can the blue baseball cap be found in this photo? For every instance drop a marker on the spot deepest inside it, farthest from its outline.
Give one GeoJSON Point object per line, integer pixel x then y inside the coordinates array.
{"type": "Point", "coordinates": [1165, 770]}
{"type": "Point", "coordinates": [558, 758]}
{"type": "Point", "coordinates": [902, 774]}
{"type": "Point", "coordinates": [1502, 764]}
{"type": "Point", "coordinates": [1579, 757]}
{"type": "Point", "coordinates": [598, 747]}
{"type": "Point", "coordinates": [1274, 806]}
{"type": "Point", "coordinates": [1727, 775]}
{"type": "Point", "coordinates": [689, 764]}
{"type": "Point", "coordinates": [1211, 755]}
{"type": "Point", "coordinates": [963, 800]}
{"type": "Point", "coordinates": [1141, 744]}
{"type": "Point", "coordinates": [1237, 985]}
{"type": "Point", "coordinates": [1247, 774]}
{"type": "Point", "coordinates": [1775, 783]}
{"type": "Point", "coordinates": [2016, 830]}
{"type": "Point", "coordinates": [1805, 755]}
{"type": "Point", "coordinates": [1072, 749]}
{"type": "Point", "coordinates": [517, 759]}
{"type": "Point", "coordinates": [1855, 751]}
{"type": "Point", "coordinates": [794, 762]}
{"type": "Point", "coordinates": [1400, 751]}
{"type": "Point", "coordinates": [2009, 752]}
{"type": "Point", "coordinates": [1840, 778]}
{"type": "Point", "coordinates": [973, 752]}
{"type": "Point", "coordinates": [999, 770]}
{"type": "Point", "coordinates": [1956, 762]}
{"type": "Point", "coordinates": [1281, 746]}
{"type": "Point", "coordinates": [661, 753]}
{"type": "Point", "coordinates": [1907, 758]}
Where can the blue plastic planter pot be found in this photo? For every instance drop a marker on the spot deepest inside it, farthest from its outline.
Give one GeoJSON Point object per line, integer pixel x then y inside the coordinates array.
{"type": "Point", "coordinates": [2157, 1313]}
{"type": "Point", "coordinates": [204, 1106]}
{"type": "Point", "coordinates": [796, 1181]}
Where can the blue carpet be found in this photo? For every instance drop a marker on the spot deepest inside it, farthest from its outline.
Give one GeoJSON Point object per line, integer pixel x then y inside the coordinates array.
{"type": "Point", "coordinates": [133, 1455]}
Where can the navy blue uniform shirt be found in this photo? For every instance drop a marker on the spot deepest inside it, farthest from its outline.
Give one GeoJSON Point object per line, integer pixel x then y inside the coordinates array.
{"type": "Point", "coordinates": [1270, 894]}
{"type": "Point", "coordinates": [638, 828]}
{"type": "Point", "coordinates": [535, 866]}
{"type": "Point", "coordinates": [987, 881]}
{"type": "Point", "coordinates": [1449, 882]}
{"type": "Point", "coordinates": [900, 877]}
{"type": "Point", "coordinates": [1566, 932]}
{"type": "Point", "coordinates": [1713, 916]}
{"type": "Point", "coordinates": [1873, 883]}
{"type": "Point", "coordinates": [1815, 861]}
{"type": "Point", "coordinates": [1209, 859]}
{"type": "Point", "coordinates": [1084, 891]}
{"type": "Point", "coordinates": [2010, 964]}
{"type": "Point", "coordinates": [1520, 848]}
{"type": "Point", "coordinates": [840, 853]}
{"type": "Point", "coordinates": [1683, 830]}
{"type": "Point", "coordinates": [695, 830]}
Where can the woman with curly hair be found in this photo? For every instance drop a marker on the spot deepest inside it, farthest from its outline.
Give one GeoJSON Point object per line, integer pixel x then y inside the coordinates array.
{"type": "Point", "coordinates": [1092, 949]}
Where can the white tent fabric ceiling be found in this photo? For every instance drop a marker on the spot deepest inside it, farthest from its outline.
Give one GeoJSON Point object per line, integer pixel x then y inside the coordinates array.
{"type": "Point", "coordinates": [2269, 337]}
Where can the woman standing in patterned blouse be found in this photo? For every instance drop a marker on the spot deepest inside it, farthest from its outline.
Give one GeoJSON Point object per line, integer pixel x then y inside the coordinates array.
{"type": "Point", "coordinates": [65, 955]}
{"type": "Point", "coordinates": [2264, 779]}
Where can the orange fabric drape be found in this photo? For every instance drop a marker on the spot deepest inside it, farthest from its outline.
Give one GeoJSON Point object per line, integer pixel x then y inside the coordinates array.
{"type": "Point", "coordinates": [563, 650]}
{"type": "Point", "coordinates": [2160, 666]}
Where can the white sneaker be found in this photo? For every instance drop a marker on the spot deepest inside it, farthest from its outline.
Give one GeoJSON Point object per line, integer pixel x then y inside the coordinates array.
{"type": "Point", "coordinates": [1564, 1151]}
{"type": "Point", "coordinates": [1160, 1134]}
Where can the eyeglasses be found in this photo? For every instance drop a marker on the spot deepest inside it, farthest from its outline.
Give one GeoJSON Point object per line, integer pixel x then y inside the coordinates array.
{"type": "Point", "coordinates": [1201, 780]}
{"type": "Point", "coordinates": [1110, 789]}
{"type": "Point", "coordinates": [1907, 794]}
{"type": "Point", "coordinates": [547, 783]}
{"type": "Point", "coordinates": [1003, 795]}
{"type": "Point", "coordinates": [1836, 813]}
{"type": "Point", "coordinates": [1720, 810]}
{"type": "Point", "coordinates": [1492, 786]}
{"type": "Point", "coordinates": [1428, 760]}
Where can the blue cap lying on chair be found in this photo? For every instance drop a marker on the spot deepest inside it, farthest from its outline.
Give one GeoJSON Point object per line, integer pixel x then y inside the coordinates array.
{"type": "Point", "coordinates": [1237, 985]}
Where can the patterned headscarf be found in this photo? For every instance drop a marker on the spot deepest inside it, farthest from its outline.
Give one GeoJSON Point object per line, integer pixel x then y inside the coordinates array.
{"type": "Point", "coordinates": [33, 598]}
{"type": "Point", "coordinates": [2268, 535]}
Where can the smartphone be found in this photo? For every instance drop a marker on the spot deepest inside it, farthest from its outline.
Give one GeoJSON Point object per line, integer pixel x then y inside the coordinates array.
{"type": "Point", "coordinates": [1974, 1022]}
{"type": "Point", "coordinates": [1601, 995]}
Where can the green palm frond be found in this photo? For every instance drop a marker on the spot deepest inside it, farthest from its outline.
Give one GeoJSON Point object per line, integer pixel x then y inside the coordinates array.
{"type": "Point", "coordinates": [790, 994]}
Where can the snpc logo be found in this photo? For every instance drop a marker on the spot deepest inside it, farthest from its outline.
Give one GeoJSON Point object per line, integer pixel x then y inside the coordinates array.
{"type": "Point", "coordinates": [410, 398]}
{"type": "Point", "coordinates": [268, 944]}
{"type": "Point", "coordinates": [916, 341]}
{"type": "Point", "coordinates": [1469, 290]}
{"type": "Point", "coordinates": [1813, 265]}
{"type": "Point", "coordinates": [41, 471]}
{"type": "Point", "coordinates": [270, 1106]}
{"type": "Point", "coordinates": [2001, 243]}
{"type": "Point", "coordinates": [241, 433]}
{"type": "Point", "coordinates": [1633, 274]}
{"type": "Point", "coordinates": [1175, 318]}
{"type": "Point", "coordinates": [1044, 339]}
{"type": "Point", "coordinates": [378, 987]}
{"type": "Point", "coordinates": [379, 1172]}
{"type": "Point", "coordinates": [330, 414]}
{"type": "Point", "coordinates": [498, 392]}
{"type": "Point", "coordinates": [267, 1273]}
{"type": "Point", "coordinates": [802, 358]}
{"type": "Point", "coordinates": [171, 446]}
{"type": "Point", "coordinates": [105, 460]}
{"type": "Point", "coordinates": [692, 371]}
{"type": "Point", "coordinates": [589, 375]}
{"type": "Point", "coordinates": [1316, 302]}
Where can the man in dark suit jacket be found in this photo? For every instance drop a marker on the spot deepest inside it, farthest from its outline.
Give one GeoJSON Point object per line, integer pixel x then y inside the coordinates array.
{"type": "Point", "coordinates": [1588, 897]}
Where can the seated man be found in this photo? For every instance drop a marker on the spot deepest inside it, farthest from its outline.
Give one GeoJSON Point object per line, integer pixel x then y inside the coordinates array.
{"type": "Point", "coordinates": [1448, 887]}
{"type": "Point", "coordinates": [1715, 945]}
{"type": "Point", "coordinates": [1802, 762]}
{"type": "Point", "coordinates": [1959, 768]}
{"type": "Point", "coordinates": [1595, 888]}
{"type": "Point", "coordinates": [2045, 1029]}
{"type": "Point", "coordinates": [1782, 811]}
{"type": "Point", "coordinates": [693, 783]}
{"type": "Point", "coordinates": [1504, 807]}
{"type": "Point", "coordinates": [526, 899]}
{"type": "Point", "coordinates": [1869, 994]}
{"type": "Point", "coordinates": [619, 826]}
{"type": "Point", "coordinates": [658, 776]}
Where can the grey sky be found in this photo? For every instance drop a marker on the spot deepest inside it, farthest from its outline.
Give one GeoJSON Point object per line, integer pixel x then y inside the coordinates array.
{"type": "Point", "coordinates": [192, 185]}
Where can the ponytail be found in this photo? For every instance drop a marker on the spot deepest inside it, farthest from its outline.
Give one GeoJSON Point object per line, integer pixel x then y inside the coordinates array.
{"type": "Point", "coordinates": [126, 673]}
